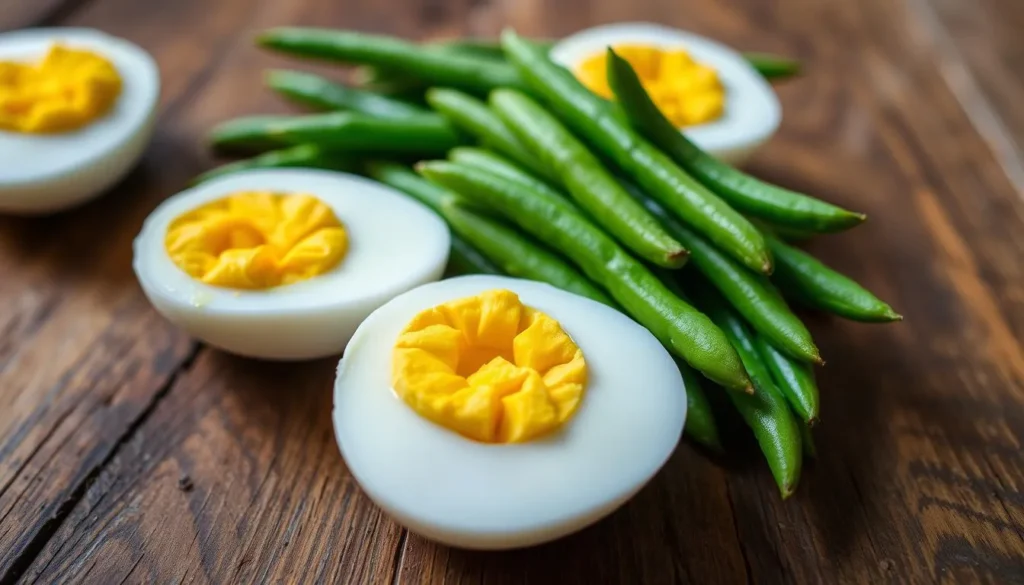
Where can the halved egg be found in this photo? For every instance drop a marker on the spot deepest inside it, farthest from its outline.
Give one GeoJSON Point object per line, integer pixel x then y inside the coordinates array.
{"type": "Point", "coordinates": [707, 88]}
{"type": "Point", "coordinates": [489, 412]}
{"type": "Point", "coordinates": [285, 263]}
{"type": "Point", "coordinates": [77, 108]}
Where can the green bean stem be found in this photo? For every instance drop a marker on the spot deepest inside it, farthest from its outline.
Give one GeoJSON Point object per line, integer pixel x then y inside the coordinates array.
{"type": "Point", "coordinates": [339, 131]}
{"type": "Point", "coordinates": [323, 94]}
{"type": "Point", "coordinates": [443, 68]}
{"type": "Point", "coordinates": [772, 66]}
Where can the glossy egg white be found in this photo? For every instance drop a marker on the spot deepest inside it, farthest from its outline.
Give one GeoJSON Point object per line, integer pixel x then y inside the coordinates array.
{"type": "Point", "coordinates": [475, 495]}
{"type": "Point", "coordinates": [44, 173]}
{"type": "Point", "coordinates": [752, 110]}
{"type": "Point", "coordinates": [394, 245]}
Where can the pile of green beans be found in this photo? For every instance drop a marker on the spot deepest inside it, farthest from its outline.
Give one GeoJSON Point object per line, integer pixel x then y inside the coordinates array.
{"type": "Point", "coordinates": [539, 178]}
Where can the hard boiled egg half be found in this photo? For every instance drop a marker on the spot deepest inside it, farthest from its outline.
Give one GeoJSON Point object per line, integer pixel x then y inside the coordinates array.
{"type": "Point", "coordinates": [709, 90]}
{"type": "Point", "coordinates": [76, 112]}
{"type": "Point", "coordinates": [489, 412]}
{"type": "Point", "coordinates": [285, 263]}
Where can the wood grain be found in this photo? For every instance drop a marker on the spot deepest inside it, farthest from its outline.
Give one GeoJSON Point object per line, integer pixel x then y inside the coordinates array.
{"type": "Point", "coordinates": [130, 455]}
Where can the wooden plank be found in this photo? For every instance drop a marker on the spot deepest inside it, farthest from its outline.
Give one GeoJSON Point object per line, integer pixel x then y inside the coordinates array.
{"type": "Point", "coordinates": [980, 55]}
{"type": "Point", "coordinates": [15, 14]}
{"type": "Point", "coordinates": [920, 479]}
{"type": "Point", "coordinates": [237, 478]}
{"type": "Point", "coordinates": [83, 358]}
{"type": "Point", "coordinates": [202, 72]}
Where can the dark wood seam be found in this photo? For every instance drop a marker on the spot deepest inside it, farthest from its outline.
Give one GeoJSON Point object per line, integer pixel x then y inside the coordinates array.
{"type": "Point", "coordinates": [739, 536]}
{"type": "Point", "coordinates": [50, 527]}
{"type": "Point", "coordinates": [396, 573]}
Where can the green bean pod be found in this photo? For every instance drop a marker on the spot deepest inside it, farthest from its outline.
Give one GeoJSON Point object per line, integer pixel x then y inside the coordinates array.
{"type": "Point", "coordinates": [795, 379]}
{"type": "Point", "coordinates": [323, 94]}
{"type": "Point", "coordinates": [594, 120]}
{"type": "Point", "coordinates": [700, 422]}
{"type": "Point", "coordinates": [807, 441]}
{"type": "Point", "coordinates": [513, 253]}
{"type": "Point", "coordinates": [471, 73]}
{"type": "Point", "coordinates": [771, 66]}
{"type": "Point", "coordinates": [494, 163]}
{"type": "Point", "coordinates": [475, 118]}
{"type": "Point", "coordinates": [247, 134]}
{"type": "Point", "coordinates": [753, 295]}
{"type": "Point", "coordinates": [586, 179]}
{"type": "Point", "coordinates": [301, 156]}
{"type": "Point", "coordinates": [817, 285]}
{"type": "Point", "coordinates": [482, 47]}
{"type": "Point", "coordinates": [465, 259]}
{"type": "Point", "coordinates": [766, 411]}
{"type": "Point", "coordinates": [518, 256]}
{"type": "Point", "coordinates": [687, 332]}
{"type": "Point", "coordinates": [744, 192]}
{"type": "Point", "coordinates": [341, 131]}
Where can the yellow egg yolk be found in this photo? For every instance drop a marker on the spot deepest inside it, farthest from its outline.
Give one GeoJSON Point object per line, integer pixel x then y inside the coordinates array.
{"type": "Point", "coordinates": [257, 240]}
{"type": "Point", "coordinates": [687, 92]}
{"type": "Point", "coordinates": [489, 368]}
{"type": "Point", "coordinates": [68, 89]}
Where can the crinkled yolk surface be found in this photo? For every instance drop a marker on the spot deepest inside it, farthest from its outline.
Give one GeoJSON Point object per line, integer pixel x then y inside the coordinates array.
{"type": "Point", "coordinates": [68, 89]}
{"type": "Point", "coordinates": [257, 240]}
{"type": "Point", "coordinates": [489, 368]}
{"type": "Point", "coordinates": [687, 92]}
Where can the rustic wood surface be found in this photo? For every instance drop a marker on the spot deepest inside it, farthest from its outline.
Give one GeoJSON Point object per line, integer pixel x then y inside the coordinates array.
{"type": "Point", "coordinates": [909, 111]}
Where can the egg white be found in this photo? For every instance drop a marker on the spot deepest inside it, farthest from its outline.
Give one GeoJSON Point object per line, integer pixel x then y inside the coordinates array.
{"type": "Point", "coordinates": [394, 244]}
{"type": "Point", "coordinates": [752, 111]}
{"type": "Point", "coordinates": [495, 496]}
{"type": "Point", "coordinates": [44, 173]}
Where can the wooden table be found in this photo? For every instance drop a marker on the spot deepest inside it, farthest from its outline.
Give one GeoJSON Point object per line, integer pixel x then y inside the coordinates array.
{"type": "Point", "coordinates": [128, 453]}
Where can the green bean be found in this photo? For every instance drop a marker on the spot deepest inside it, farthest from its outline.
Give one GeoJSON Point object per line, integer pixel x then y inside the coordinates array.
{"type": "Point", "coordinates": [817, 285]}
{"type": "Point", "coordinates": [474, 117]}
{"type": "Point", "coordinates": [753, 295]}
{"type": "Point", "coordinates": [807, 441]}
{"type": "Point", "coordinates": [555, 221]}
{"type": "Point", "coordinates": [795, 379]}
{"type": "Point", "coordinates": [745, 193]}
{"type": "Point", "coordinates": [323, 94]}
{"type": "Point", "coordinates": [247, 134]}
{"type": "Point", "coordinates": [585, 178]}
{"type": "Point", "coordinates": [513, 253]}
{"type": "Point", "coordinates": [483, 47]}
{"type": "Point", "coordinates": [773, 66]}
{"type": "Point", "coordinates": [700, 423]}
{"type": "Point", "coordinates": [340, 131]}
{"type": "Point", "coordinates": [494, 163]}
{"type": "Point", "coordinates": [465, 259]}
{"type": "Point", "coordinates": [302, 156]}
{"type": "Point", "coordinates": [765, 412]}
{"type": "Point", "coordinates": [433, 67]}
{"type": "Point", "coordinates": [592, 118]}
